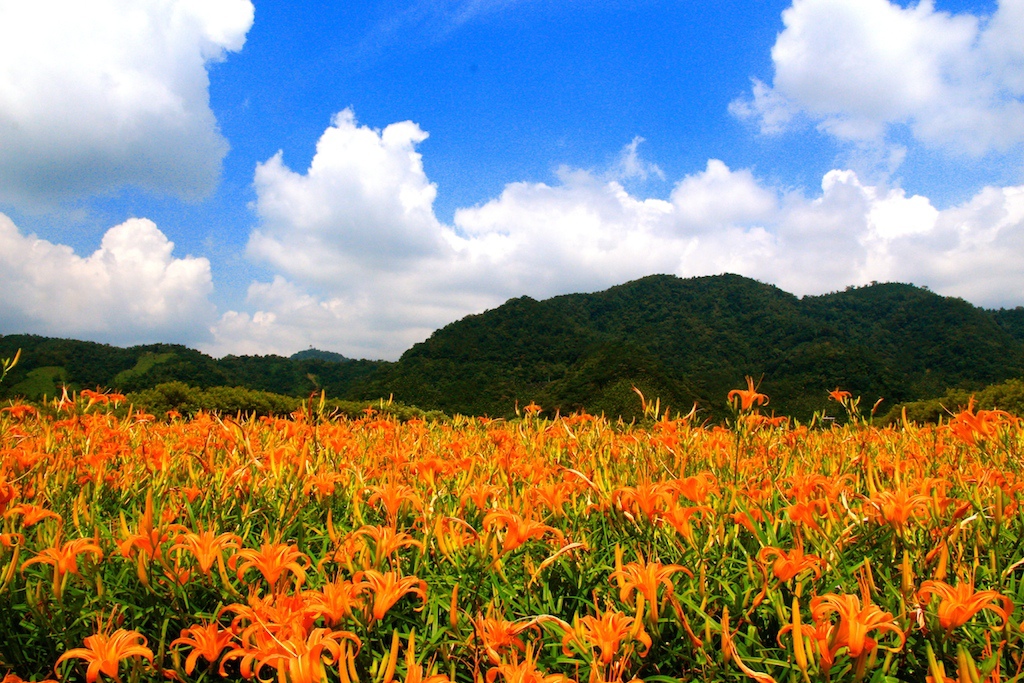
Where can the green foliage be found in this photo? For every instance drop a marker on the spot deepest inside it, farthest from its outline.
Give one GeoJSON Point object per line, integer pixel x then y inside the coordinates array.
{"type": "Point", "coordinates": [40, 382]}
{"type": "Point", "coordinates": [684, 341]}
{"type": "Point", "coordinates": [1008, 396]}
{"type": "Point", "coordinates": [317, 354]}
{"type": "Point", "coordinates": [187, 401]}
{"type": "Point", "coordinates": [692, 340]}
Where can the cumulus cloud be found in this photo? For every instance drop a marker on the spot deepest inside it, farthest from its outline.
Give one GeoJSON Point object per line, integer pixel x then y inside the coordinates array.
{"type": "Point", "coordinates": [364, 203]}
{"type": "Point", "coordinates": [860, 67]}
{"type": "Point", "coordinates": [365, 267]}
{"type": "Point", "coordinates": [99, 95]}
{"type": "Point", "coordinates": [130, 290]}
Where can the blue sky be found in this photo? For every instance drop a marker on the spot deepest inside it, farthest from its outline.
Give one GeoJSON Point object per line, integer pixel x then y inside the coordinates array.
{"type": "Point", "coordinates": [352, 176]}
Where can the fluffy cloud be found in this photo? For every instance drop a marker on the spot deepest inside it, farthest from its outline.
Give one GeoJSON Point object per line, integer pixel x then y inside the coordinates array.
{"type": "Point", "coordinates": [364, 204]}
{"type": "Point", "coordinates": [366, 268]}
{"type": "Point", "coordinates": [859, 67]}
{"type": "Point", "coordinates": [98, 95]}
{"type": "Point", "coordinates": [132, 289]}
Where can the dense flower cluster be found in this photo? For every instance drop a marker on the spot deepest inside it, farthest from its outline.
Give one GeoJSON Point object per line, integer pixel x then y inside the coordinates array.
{"type": "Point", "coordinates": [312, 548]}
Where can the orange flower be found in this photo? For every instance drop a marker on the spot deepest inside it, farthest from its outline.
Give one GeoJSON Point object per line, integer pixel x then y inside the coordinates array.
{"type": "Point", "coordinates": [393, 496]}
{"type": "Point", "coordinates": [32, 514]}
{"type": "Point", "coordinates": [64, 559]}
{"type": "Point", "coordinates": [747, 398]}
{"type": "Point", "coordinates": [272, 560]}
{"type": "Point", "coordinates": [855, 622]}
{"type": "Point", "coordinates": [606, 633]}
{"type": "Point", "coordinates": [206, 641]}
{"type": "Point", "coordinates": [898, 507]}
{"type": "Point", "coordinates": [386, 541]}
{"type": "Point", "coordinates": [499, 635]}
{"type": "Point", "coordinates": [839, 396]}
{"type": "Point", "coordinates": [334, 601]}
{"type": "Point", "coordinates": [788, 564]}
{"type": "Point", "coordinates": [523, 671]}
{"type": "Point", "coordinates": [207, 546]}
{"type": "Point", "coordinates": [104, 653]}
{"type": "Point", "coordinates": [388, 588]}
{"type": "Point", "coordinates": [644, 578]}
{"type": "Point", "coordinates": [958, 604]}
{"type": "Point", "coordinates": [517, 529]}
{"type": "Point", "coordinates": [970, 426]}
{"type": "Point", "coordinates": [298, 658]}
{"type": "Point", "coordinates": [643, 499]}
{"type": "Point", "coordinates": [414, 672]}
{"type": "Point", "coordinates": [147, 538]}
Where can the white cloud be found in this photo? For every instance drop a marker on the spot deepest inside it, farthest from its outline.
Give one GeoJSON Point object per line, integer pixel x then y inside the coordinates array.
{"type": "Point", "coordinates": [130, 290]}
{"type": "Point", "coordinates": [860, 67]}
{"type": "Point", "coordinates": [366, 268]}
{"type": "Point", "coordinates": [630, 166]}
{"type": "Point", "coordinates": [365, 202]}
{"type": "Point", "coordinates": [99, 95]}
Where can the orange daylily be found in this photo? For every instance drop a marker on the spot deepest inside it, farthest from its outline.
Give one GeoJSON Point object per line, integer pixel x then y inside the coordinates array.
{"type": "Point", "coordinates": [393, 496]}
{"type": "Point", "coordinates": [414, 672]}
{"type": "Point", "coordinates": [298, 658]}
{"type": "Point", "coordinates": [839, 396]}
{"type": "Point", "coordinates": [898, 507]}
{"type": "Point", "coordinates": [747, 398]}
{"type": "Point", "coordinates": [523, 671]}
{"type": "Point", "coordinates": [272, 560]}
{"type": "Point", "coordinates": [389, 587]}
{"type": "Point", "coordinates": [207, 641]}
{"type": "Point", "coordinates": [334, 601]}
{"type": "Point", "coordinates": [958, 604]}
{"type": "Point", "coordinates": [517, 529]}
{"type": "Point", "coordinates": [32, 514]}
{"type": "Point", "coordinates": [789, 564]}
{"type": "Point", "coordinates": [386, 540]}
{"type": "Point", "coordinates": [606, 632]}
{"type": "Point", "coordinates": [856, 620]}
{"type": "Point", "coordinates": [645, 578]}
{"type": "Point", "coordinates": [499, 635]}
{"type": "Point", "coordinates": [64, 558]}
{"type": "Point", "coordinates": [148, 539]}
{"type": "Point", "coordinates": [970, 426]}
{"type": "Point", "coordinates": [207, 546]}
{"type": "Point", "coordinates": [105, 652]}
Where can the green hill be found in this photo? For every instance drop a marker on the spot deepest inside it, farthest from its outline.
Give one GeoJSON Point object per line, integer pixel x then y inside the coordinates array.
{"type": "Point", "coordinates": [48, 364]}
{"type": "Point", "coordinates": [689, 340]}
{"type": "Point", "coordinates": [683, 340]}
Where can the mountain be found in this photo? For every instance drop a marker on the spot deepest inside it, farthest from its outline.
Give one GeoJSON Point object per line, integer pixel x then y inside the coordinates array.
{"type": "Point", "coordinates": [48, 364]}
{"type": "Point", "coordinates": [682, 340]}
{"type": "Point", "coordinates": [317, 354]}
{"type": "Point", "coordinates": [687, 340]}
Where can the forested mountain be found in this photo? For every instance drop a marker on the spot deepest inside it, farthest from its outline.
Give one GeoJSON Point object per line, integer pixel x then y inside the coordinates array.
{"type": "Point", "coordinates": [688, 340]}
{"type": "Point", "coordinates": [47, 364]}
{"type": "Point", "coordinates": [683, 340]}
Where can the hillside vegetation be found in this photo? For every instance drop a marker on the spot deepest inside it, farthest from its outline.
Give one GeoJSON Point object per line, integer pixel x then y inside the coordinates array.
{"type": "Point", "coordinates": [683, 340]}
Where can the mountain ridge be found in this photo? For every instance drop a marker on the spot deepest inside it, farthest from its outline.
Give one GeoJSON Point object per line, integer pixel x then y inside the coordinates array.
{"type": "Point", "coordinates": [684, 340]}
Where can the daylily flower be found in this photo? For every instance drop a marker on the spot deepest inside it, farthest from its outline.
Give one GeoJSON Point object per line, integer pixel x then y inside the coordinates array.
{"type": "Point", "coordinates": [958, 604]}
{"type": "Point", "coordinates": [606, 632]}
{"type": "Point", "coordinates": [645, 578]}
{"type": "Point", "coordinates": [207, 641]}
{"type": "Point", "coordinates": [389, 587]}
{"type": "Point", "coordinates": [789, 564]}
{"type": "Point", "coordinates": [104, 652]}
{"type": "Point", "coordinates": [747, 398]}
{"type": "Point", "coordinates": [272, 560]}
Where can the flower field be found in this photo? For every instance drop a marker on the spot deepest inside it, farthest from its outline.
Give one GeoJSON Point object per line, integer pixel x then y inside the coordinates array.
{"type": "Point", "coordinates": [538, 550]}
